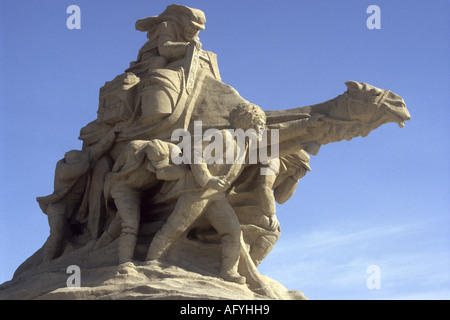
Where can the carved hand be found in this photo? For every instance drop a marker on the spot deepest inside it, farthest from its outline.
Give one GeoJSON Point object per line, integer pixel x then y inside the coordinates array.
{"type": "Point", "coordinates": [218, 183]}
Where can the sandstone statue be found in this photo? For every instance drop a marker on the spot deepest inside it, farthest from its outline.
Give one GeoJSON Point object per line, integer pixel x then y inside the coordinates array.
{"type": "Point", "coordinates": [175, 170]}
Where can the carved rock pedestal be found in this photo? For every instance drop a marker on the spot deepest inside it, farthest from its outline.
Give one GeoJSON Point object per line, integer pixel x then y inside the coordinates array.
{"type": "Point", "coordinates": [103, 279]}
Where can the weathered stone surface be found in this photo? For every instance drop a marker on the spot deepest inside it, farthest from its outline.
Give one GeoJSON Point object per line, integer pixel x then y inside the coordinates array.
{"type": "Point", "coordinates": [139, 280]}
{"type": "Point", "coordinates": [149, 216]}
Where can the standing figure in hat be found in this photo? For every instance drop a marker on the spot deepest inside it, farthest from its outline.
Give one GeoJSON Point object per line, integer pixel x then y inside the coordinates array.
{"type": "Point", "coordinates": [160, 62]}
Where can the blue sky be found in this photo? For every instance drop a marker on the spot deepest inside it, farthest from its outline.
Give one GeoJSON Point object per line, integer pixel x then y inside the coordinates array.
{"type": "Point", "coordinates": [381, 200]}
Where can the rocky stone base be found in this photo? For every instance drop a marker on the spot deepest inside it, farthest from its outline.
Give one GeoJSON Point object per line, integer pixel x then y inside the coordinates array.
{"type": "Point", "coordinates": [151, 280]}
{"type": "Point", "coordinates": [101, 277]}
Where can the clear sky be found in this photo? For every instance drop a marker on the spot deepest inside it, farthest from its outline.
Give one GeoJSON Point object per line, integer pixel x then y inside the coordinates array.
{"type": "Point", "coordinates": [378, 201]}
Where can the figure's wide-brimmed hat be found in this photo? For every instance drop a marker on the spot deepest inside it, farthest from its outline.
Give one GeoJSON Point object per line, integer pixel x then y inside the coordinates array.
{"type": "Point", "coordinates": [195, 16]}
{"type": "Point", "coordinates": [298, 159]}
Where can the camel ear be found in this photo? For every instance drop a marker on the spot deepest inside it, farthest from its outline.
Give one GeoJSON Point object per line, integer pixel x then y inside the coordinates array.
{"type": "Point", "coordinates": [353, 85]}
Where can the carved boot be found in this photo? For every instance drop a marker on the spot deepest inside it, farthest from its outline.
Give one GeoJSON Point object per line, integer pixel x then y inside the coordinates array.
{"type": "Point", "coordinates": [231, 250]}
{"type": "Point", "coordinates": [127, 243]}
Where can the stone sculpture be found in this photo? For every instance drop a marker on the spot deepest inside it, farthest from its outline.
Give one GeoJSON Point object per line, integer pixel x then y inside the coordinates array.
{"type": "Point", "coordinates": [127, 197]}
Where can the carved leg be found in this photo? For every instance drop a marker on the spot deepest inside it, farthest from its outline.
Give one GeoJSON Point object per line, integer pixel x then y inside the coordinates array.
{"type": "Point", "coordinates": [55, 243]}
{"type": "Point", "coordinates": [231, 250]}
{"type": "Point", "coordinates": [224, 220]}
{"type": "Point", "coordinates": [188, 208]}
{"type": "Point", "coordinates": [128, 205]}
{"type": "Point", "coordinates": [97, 208]}
{"type": "Point", "coordinates": [127, 243]}
{"type": "Point", "coordinates": [110, 234]}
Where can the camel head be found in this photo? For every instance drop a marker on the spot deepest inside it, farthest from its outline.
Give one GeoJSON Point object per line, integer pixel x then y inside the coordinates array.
{"type": "Point", "coordinates": [368, 102]}
{"type": "Point", "coordinates": [363, 108]}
